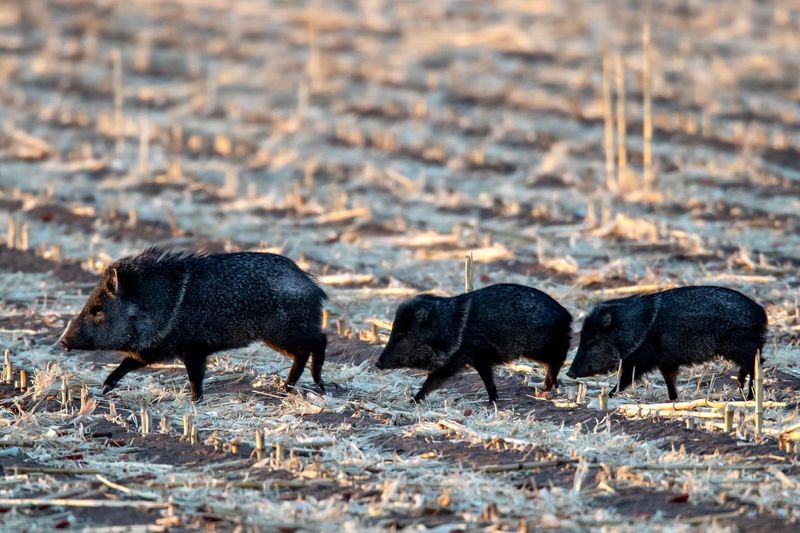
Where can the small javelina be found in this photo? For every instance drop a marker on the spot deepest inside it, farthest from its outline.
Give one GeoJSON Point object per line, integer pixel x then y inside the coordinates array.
{"type": "Point", "coordinates": [483, 328]}
{"type": "Point", "coordinates": [162, 305]}
{"type": "Point", "coordinates": [668, 329]}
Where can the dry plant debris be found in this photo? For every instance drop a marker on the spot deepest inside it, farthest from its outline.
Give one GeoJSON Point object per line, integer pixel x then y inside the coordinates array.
{"type": "Point", "coordinates": [587, 148]}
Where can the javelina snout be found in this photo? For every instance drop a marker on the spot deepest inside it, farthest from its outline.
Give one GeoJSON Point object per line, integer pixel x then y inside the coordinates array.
{"type": "Point", "coordinates": [597, 359]}
{"type": "Point", "coordinates": [99, 325]}
{"type": "Point", "coordinates": [393, 356]}
{"type": "Point", "coordinates": [410, 342]}
{"type": "Point", "coordinates": [386, 358]}
{"type": "Point", "coordinates": [597, 352]}
{"type": "Point", "coordinates": [78, 335]}
{"type": "Point", "coordinates": [65, 340]}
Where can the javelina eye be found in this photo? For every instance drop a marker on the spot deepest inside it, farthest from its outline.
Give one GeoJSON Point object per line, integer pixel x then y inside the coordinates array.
{"type": "Point", "coordinates": [95, 310]}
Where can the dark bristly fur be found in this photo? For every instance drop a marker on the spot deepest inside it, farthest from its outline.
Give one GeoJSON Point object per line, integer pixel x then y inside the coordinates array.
{"type": "Point", "coordinates": [483, 328]}
{"type": "Point", "coordinates": [669, 329]}
{"type": "Point", "coordinates": [162, 305]}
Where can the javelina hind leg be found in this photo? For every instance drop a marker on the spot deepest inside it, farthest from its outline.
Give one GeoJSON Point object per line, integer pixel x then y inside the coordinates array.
{"type": "Point", "coordinates": [296, 371]}
{"type": "Point", "coordinates": [486, 374]}
{"type": "Point", "coordinates": [317, 360]}
{"type": "Point", "coordinates": [670, 374]}
{"type": "Point", "coordinates": [625, 380]}
{"type": "Point", "coordinates": [196, 369]}
{"type": "Point", "coordinates": [551, 379]}
{"type": "Point", "coordinates": [743, 373]}
{"type": "Point", "coordinates": [124, 367]}
{"type": "Point", "coordinates": [434, 381]}
{"type": "Point", "coordinates": [554, 365]}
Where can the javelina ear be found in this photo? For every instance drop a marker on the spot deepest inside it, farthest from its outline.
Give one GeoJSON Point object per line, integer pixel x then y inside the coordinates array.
{"type": "Point", "coordinates": [112, 281]}
{"type": "Point", "coordinates": [421, 314]}
{"type": "Point", "coordinates": [605, 319]}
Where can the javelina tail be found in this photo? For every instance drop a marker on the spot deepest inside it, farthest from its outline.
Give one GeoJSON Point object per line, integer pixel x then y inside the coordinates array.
{"type": "Point", "coordinates": [319, 292]}
{"type": "Point", "coordinates": [317, 360]}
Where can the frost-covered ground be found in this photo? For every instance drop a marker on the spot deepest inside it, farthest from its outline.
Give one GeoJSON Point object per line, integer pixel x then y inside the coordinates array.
{"type": "Point", "coordinates": [378, 143]}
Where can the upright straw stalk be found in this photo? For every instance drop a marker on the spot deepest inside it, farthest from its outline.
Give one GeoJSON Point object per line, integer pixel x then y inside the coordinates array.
{"type": "Point", "coordinates": [469, 274]}
{"type": "Point", "coordinates": [119, 125]}
{"type": "Point", "coordinates": [608, 125]}
{"type": "Point", "coordinates": [647, 106]}
{"type": "Point", "coordinates": [758, 377]}
{"type": "Point", "coordinates": [622, 151]}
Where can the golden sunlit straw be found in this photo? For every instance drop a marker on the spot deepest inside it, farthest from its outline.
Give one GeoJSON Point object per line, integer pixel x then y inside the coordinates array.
{"type": "Point", "coordinates": [608, 125]}
{"type": "Point", "coordinates": [758, 378]}
{"type": "Point", "coordinates": [119, 118]}
{"type": "Point", "coordinates": [647, 106]}
{"type": "Point", "coordinates": [603, 399]}
{"type": "Point", "coordinates": [469, 274]}
{"type": "Point", "coordinates": [622, 138]}
{"type": "Point", "coordinates": [391, 150]}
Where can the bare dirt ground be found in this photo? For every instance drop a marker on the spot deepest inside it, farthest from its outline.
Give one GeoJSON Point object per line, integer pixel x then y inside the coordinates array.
{"type": "Point", "coordinates": [378, 143]}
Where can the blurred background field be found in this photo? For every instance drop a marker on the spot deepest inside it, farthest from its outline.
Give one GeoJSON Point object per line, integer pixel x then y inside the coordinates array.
{"type": "Point", "coordinates": [589, 149]}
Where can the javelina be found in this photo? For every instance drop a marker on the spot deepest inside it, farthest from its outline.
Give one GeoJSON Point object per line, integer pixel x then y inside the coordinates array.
{"type": "Point", "coordinates": [483, 328]}
{"type": "Point", "coordinates": [162, 305]}
{"type": "Point", "coordinates": [668, 329]}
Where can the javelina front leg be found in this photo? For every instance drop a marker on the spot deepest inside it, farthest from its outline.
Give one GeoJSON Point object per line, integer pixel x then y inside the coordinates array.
{"type": "Point", "coordinates": [670, 374]}
{"type": "Point", "coordinates": [296, 371]}
{"type": "Point", "coordinates": [317, 360]}
{"type": "Point", "coordinates": [743, 373]}
{"type": "Point", "coordinates": [553, 368]}
{"type": "Point", "coordinates": [551, 379]}
{"type": "Point", "coordinates": [196, 369]}
{"type": "Point", "coordinates": [433, 382]}
{"type": "Point", "coordinates": [124, 367]}
{"type": "Point", "coordinates": [625, 380]}
{"type": "Point", "coordinates": [487, 375]}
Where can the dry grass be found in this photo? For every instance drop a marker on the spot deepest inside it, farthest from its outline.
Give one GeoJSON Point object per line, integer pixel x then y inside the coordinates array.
{"type": "Point", "coordinates": [590, 149]}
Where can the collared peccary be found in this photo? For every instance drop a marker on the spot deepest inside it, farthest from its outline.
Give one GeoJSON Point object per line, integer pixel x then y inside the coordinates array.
{"type": "Point", "coordinates": [162, 305]}
{"type": "Point", "coordinates": [483, 328]}
{"type": "Point", "coordinates": [669, 329]}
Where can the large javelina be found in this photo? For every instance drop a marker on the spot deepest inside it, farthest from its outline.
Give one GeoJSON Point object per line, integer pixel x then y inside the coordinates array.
{"type": "Point", "coordinates": [668, 329]}
{"type": "Point", "coordinates": [483, 328]}
{"type": "Point", "coordinates": [162, 305]}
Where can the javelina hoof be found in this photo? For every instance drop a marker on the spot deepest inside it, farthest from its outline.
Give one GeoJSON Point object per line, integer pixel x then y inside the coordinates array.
{"type": "Point", "coordinates": [550, 384]}
{"type": "Point", "coordinates": [108, 387]}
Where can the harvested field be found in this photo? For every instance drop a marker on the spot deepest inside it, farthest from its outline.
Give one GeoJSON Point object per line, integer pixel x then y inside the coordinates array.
{"type": "Point", "coordinates": [377, 144]}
